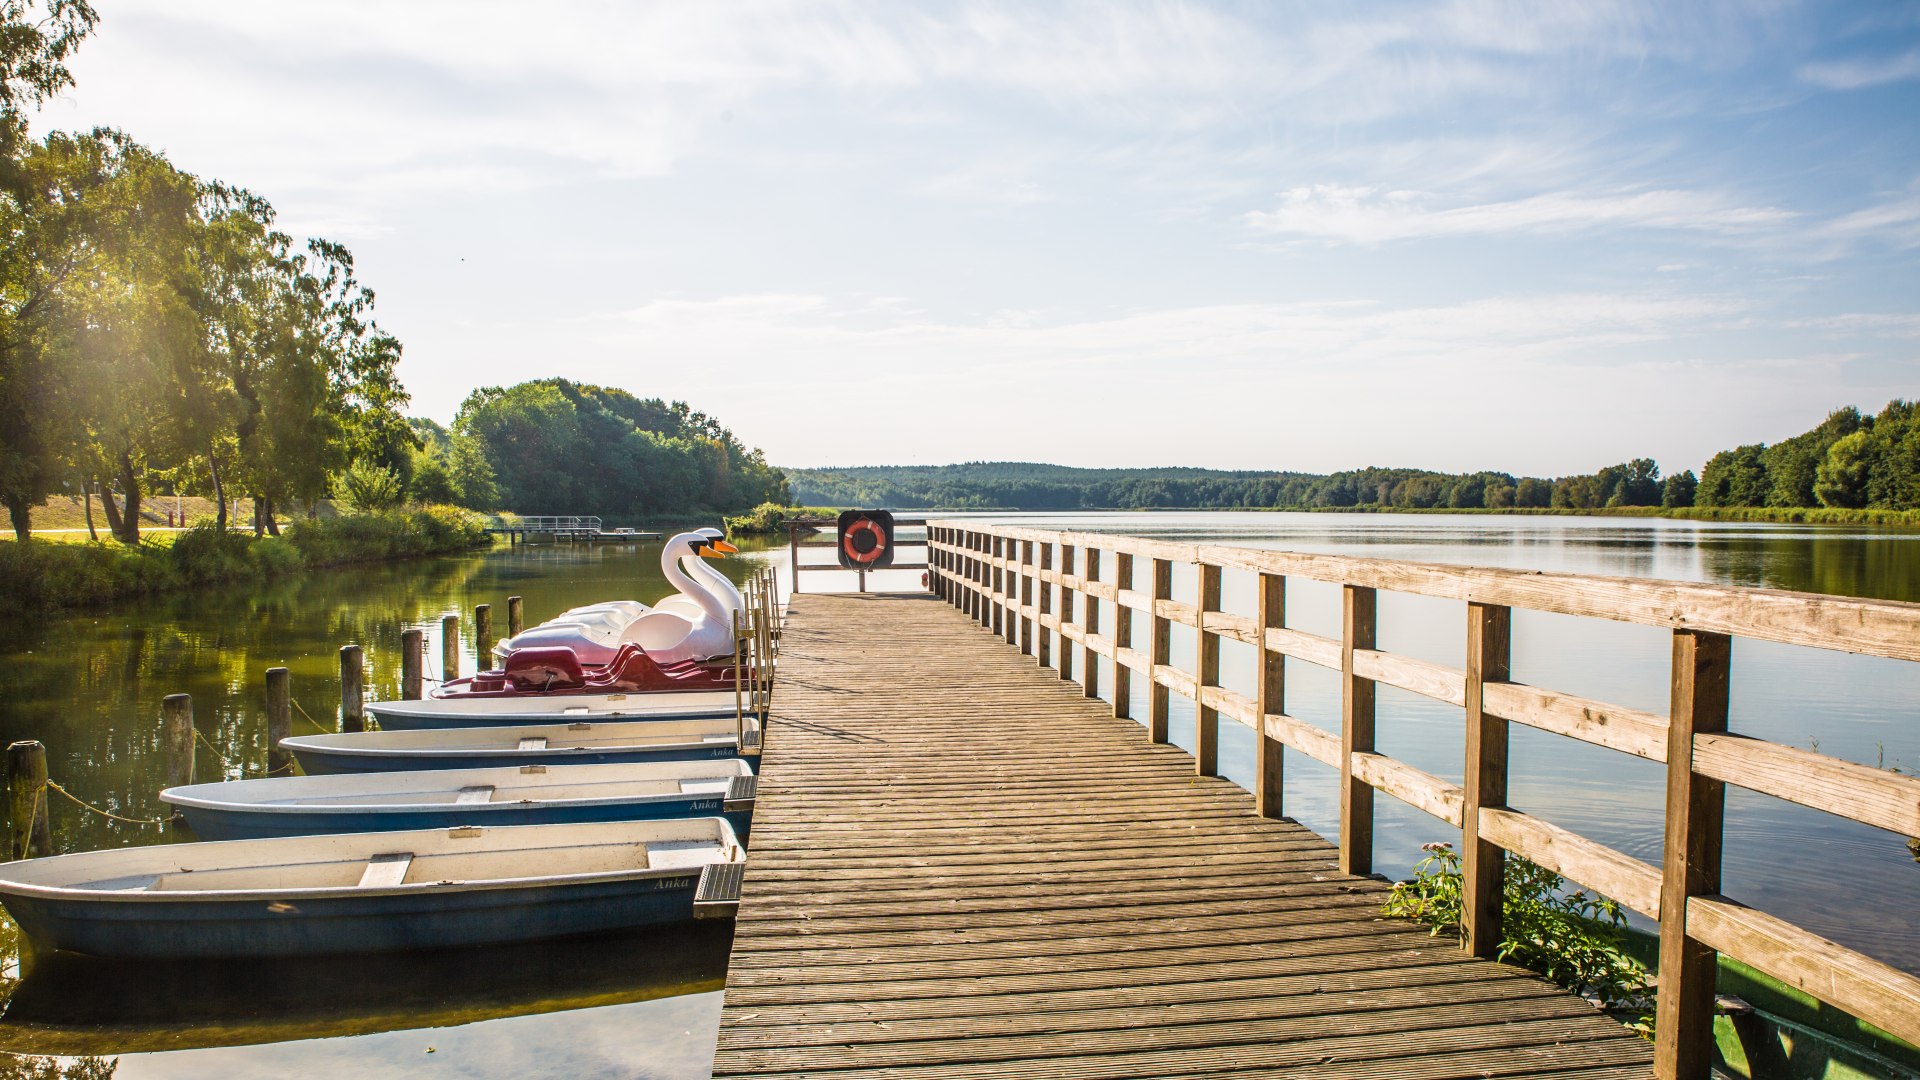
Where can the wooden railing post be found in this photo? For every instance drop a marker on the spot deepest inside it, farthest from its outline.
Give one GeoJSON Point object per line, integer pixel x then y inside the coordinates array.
{"type": "Point", "coordinates": [1159, 652]}
{"type": "Point", "coordinates": [1046, 606]}
{"type": "Point", "coordinates": [980, 602]}
{"type": "Point", "coordinates": [1122, 637]}
{"type": "Point", "coordinates": [1270, 697]}
{"type": "Point", "coordinates": [1356, 730]}
{"type": "Point", "coordinates": [1206, 738]}
{"type": "Point", "coordinates": [1484, 864]}
{"type": "Point", "coordinates": [1026, 597]}
{"type": "Point", "coordinates": [1696, 805]}
{"type": "Point", "coordinates": [1089, 656]}
{"type": "Point", "coordinates": [793, 559]}
{"type": "Point", "coordinates": [998, 583]}
{"type": "Point", "coordinates": [1066, 611]}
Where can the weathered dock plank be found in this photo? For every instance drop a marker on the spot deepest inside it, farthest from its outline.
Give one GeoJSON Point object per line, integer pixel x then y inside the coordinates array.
{"type": "Point", "coordinates": [964, 867]}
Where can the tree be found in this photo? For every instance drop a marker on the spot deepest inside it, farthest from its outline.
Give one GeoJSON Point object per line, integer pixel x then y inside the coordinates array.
{"type": "Point", "coordinates": [1841, 479]}
{"type": "Point", "coordinates": [1678, 490]}
{"type": "Point", "coordinates": [1736, 477]}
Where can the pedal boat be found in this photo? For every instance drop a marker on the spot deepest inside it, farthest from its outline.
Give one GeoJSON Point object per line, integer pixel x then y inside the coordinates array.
{"type": "Point", "coordinates": [449, 798]}
{"type": "Point", "coordinates": [366, 892]}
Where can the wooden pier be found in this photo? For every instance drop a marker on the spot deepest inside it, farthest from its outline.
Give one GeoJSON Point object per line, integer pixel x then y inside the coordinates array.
{"type": "Point", "coordinates": [964, 866]}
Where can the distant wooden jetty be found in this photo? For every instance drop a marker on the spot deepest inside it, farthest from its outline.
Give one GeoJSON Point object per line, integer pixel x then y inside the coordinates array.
{"type": "Point", "coordinates": [964, 865]}
{"type": "Point", "coordinates": [563, 529]}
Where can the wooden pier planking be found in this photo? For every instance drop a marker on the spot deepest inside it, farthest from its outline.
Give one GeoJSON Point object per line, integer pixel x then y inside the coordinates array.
{"type": "Point", "coordinates": [963, 867]}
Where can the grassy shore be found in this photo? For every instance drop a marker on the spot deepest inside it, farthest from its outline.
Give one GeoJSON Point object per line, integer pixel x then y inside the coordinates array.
{"type": "Point", "coordinates": [767, 518]}
{"type": "Point", "coordinates": [43, 576]}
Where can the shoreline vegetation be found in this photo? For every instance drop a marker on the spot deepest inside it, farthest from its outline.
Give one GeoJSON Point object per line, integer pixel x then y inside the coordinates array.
{"type": "Point", "coordinates": [768, 519]}
{"type": "Point", "coordinates": [40, 576]}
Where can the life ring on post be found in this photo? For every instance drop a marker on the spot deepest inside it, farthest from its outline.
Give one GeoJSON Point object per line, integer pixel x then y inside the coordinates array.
{"type": "Point", "coordinates": [866, 539]}
{"type": "Point", "coordinates": [864, 543]}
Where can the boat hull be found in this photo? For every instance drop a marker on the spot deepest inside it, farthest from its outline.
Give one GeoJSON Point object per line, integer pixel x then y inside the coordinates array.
{"type": "Point", "coordinates": [476, 711]}
{"type": "Point", "coordinates": [426, 920]}
{"type": "Point", "coordinates": [497, 746]}
{"type": "Point", "coordinates": [366, 892]}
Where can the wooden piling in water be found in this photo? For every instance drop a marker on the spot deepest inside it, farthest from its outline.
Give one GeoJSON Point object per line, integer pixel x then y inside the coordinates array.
{"type": "Point", "coordinates": [413, 650]}
{"type": "Point", "coordinates": [176, 738]}
{"type": "Point", "coordinates": [32, 835]}
{"type": "Point", "coordinates": [516, 616]}
{"type": "Point", "coordinates": [353, 688]}
{"type": "Point", "coordinates": [482, 635]}
{"type": "Point", "coordinates": [449, 648]}
{"type": "Point", "coordinates": [279, 721]}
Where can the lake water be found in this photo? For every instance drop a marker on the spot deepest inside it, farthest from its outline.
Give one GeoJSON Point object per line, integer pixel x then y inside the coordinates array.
{"type": "Point", "coordinates": [647, 1005]}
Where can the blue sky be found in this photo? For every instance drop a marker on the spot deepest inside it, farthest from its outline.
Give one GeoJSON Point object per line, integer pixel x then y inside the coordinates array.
{"type": "Point", "coordinates": [1540, 237]}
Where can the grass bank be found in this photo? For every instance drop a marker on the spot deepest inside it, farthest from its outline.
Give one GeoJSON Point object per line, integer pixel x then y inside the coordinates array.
{"type": "Point", "coordinates": [41, 575]}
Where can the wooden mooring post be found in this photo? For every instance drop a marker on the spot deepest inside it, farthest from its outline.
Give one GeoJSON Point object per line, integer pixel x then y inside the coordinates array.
{"type": "Point", "coordinates": [176, 739]}
{"type": "Point", "coordinates": [353, 688]}
{"type": "Point", "coordinates": [413, 650]}
{"type": "Point", "coordinates": [279, 720]}
{"type": "Point", "coordinates": [482, 635]}
{"type": "Point", "coordinates": [516, 616]}
{"type": "Point", "coordinates": [32, 835]}
{"type": "Point", "coordinates": [449, 648]}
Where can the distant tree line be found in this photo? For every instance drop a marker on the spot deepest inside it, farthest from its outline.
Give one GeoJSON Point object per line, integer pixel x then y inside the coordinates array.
{"type": "Point", "coordinates": [156, 330]}
{"type": "Point", "coordinates": [1028, 486]}
{"type": "Point", "coordinates": [1849, 460]}
{"type": "Point", "coordinates": [553, 446]}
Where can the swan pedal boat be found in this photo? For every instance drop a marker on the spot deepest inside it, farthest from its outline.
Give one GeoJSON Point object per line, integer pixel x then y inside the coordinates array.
{"type": "Point", "coordinates": [477, 711]}
{"type": "Point", "coordinates": [448, 798]}
{"type": "Point", "coordinates": [366, 892]}
{"type": "Point", "coordinates": [519, 745]}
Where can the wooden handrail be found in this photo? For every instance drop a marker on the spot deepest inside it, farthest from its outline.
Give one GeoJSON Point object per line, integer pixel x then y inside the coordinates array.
{"type": "Point", "coordinates": [996, 572]}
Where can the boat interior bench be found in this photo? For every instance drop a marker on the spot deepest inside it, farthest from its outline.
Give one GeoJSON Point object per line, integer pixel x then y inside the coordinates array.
{"type": "Point", "coordinates": [386, 871]}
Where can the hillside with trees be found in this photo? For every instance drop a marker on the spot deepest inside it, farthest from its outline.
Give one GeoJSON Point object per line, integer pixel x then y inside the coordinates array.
{"type": "Point", "coordinates": [1850, 461]}
{"type": "Point", "coordinates": [553, 446]}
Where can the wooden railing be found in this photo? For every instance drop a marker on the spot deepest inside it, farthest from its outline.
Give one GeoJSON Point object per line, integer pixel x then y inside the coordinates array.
{"type": "Point", "coordinates": [1006, 578]}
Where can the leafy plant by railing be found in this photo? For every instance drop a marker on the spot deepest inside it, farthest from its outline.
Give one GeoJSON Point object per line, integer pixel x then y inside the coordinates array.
{"type": "Point", "coordinates": [1575, 939]}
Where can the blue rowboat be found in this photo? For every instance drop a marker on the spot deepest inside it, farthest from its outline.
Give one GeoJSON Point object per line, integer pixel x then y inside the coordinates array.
{"type": "Point", "coordinates": [518, 745]}
{"type": "Point", "coordinates": [366, 892]}
{"type": "Point", "coordinates": [446, 798]}
{"type": "Point", "coordinates": [458, 712]}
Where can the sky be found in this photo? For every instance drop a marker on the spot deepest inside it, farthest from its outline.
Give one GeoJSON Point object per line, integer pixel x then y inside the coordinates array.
{"type": "Point", "coordinates": [1457, 234]}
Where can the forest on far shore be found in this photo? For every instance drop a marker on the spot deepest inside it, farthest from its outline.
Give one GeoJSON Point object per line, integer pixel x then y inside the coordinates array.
{"type": "Point", "coordinates": [1850, 460]}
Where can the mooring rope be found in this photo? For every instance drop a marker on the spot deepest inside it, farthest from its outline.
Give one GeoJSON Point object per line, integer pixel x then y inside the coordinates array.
{"type": "Point", "coordinates": [55, 785]}
{"type": "Point", "coordinates": [214, 750]}
{"type": "Point", "coordinates": [316, 724]}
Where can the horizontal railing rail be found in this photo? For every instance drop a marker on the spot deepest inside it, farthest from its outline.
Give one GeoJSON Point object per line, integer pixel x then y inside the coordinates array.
{"type": "Point", "coordinates": [1007, 579]}
{"type": "Point", "coordinates": [549, 523]}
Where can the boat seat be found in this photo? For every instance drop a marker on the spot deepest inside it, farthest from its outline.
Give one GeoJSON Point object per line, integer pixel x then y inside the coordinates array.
{"type": "Point", "coordinates": [537, 742]}
{"type": "Point", "coordinates": [386, 871]}
{"type": "Point", "coordinates": [479, 793]}
{"type": "Point", "coordinates": [543, 668]}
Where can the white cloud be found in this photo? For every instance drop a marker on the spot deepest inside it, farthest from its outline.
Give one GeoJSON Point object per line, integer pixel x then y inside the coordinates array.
{"type": "Point", "coordinates": [1366, 215]}
{"type": "Point", "coordinates": [1852, 74]}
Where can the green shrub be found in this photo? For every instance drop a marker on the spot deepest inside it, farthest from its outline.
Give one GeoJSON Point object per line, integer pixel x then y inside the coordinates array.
{"type": "Point", "coordinates": [1573, 938]}
{"type": "Point", "coordinates": [368, 488]}
{"type": "Point", "coordinates": [770, 518]}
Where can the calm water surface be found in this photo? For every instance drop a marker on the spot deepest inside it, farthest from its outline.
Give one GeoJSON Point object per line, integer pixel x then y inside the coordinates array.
{"type": "Point", "coordinates": [89, 687]}
{"type": "Point", "coordinates": [646, 1006]}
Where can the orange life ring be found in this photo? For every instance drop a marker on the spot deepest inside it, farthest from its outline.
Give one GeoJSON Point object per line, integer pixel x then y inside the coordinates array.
{"type": "Point", "coordinates": [871, 555]}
